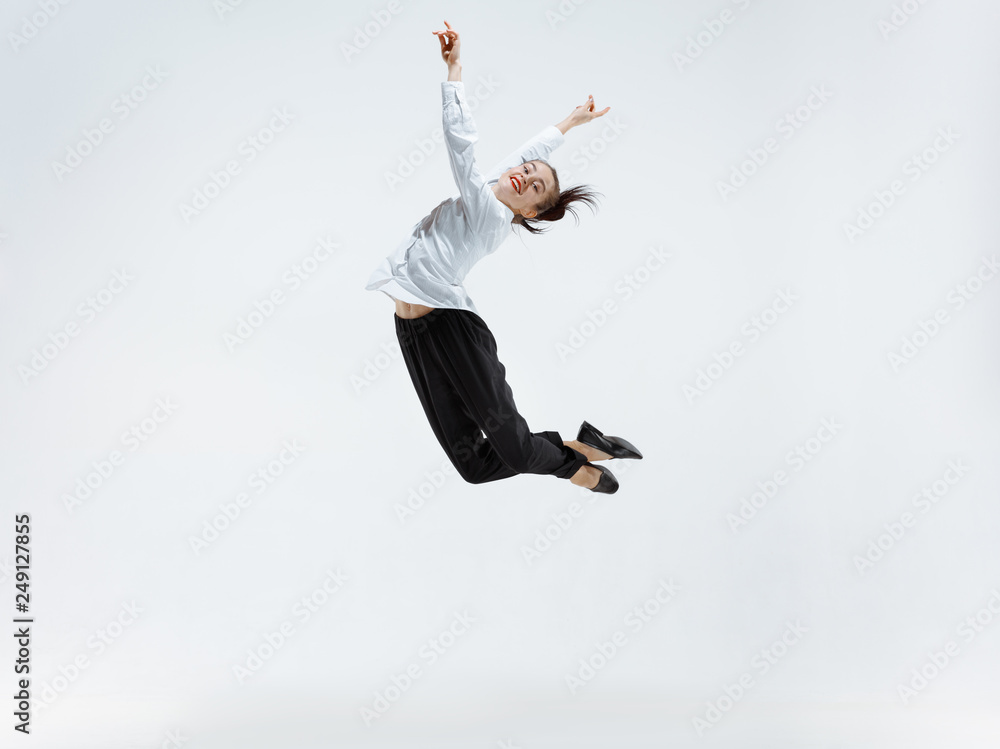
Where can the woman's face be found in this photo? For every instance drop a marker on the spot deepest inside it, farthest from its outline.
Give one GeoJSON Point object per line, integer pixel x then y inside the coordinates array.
{"type": "Point", "coordinates": [524, 187]}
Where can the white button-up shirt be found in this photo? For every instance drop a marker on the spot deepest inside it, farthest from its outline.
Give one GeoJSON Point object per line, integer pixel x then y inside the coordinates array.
{"type": "Point", "coordinates": [428, 267]}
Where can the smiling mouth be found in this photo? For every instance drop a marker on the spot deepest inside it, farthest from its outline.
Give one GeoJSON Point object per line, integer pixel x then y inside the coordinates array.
{"type": "Point", "coordinates": [517, 185]}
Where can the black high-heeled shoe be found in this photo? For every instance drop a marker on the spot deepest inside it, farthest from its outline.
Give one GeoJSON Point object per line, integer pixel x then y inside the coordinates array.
{"type": "Point", "coordinates": [608, 483]}
{"type": "Point", "coordinates": [616, 447]}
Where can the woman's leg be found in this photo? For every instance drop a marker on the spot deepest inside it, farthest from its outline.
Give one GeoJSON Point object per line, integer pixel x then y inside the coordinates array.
{"type": "Point", "coordinates": [453, 425]}
{"type": "Point", "coordinates": [452, 358]}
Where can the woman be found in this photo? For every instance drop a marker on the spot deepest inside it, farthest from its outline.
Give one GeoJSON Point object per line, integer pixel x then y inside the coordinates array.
{"type": "Point", "coordinates": [449, 352]}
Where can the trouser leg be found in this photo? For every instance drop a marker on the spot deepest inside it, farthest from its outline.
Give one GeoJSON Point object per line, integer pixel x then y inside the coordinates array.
{"type": "Point", "coordinates": [462, 386]}
{"type": "Point", "coordinates": [453, 425]}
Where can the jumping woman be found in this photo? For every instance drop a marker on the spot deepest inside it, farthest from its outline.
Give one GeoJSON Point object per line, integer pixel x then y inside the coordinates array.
{"type": "Point", "coordinates": [449, 352]}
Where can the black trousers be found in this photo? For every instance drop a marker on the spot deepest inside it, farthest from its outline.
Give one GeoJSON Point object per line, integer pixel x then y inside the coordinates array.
{"type": "Point", "coordinates": [452, 359]}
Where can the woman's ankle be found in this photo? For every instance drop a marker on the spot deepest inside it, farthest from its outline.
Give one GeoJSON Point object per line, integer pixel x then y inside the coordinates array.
{"type": "Point", "coordinates": [587, 451]}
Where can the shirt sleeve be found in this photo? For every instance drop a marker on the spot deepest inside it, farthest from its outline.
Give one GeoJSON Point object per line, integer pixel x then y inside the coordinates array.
{"type": "Point", "coordinates": [460, 135]}
{"type": "Point", "coordinates": [538, 147]}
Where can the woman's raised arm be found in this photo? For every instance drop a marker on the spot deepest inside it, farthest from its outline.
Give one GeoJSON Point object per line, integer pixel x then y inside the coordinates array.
{"type": "Point", "coordinates": [545, 142]}
{"type": "Point", "coordinates": [461, 136]}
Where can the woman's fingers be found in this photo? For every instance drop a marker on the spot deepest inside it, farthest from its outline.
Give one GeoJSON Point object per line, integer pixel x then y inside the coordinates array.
{"type": "Point", "coordinates": [591, 106]}
{"type": "Point", "coordinates": [449, 42]}
{"type": "Point", "coordinates": [450, 33]}
{"type": "Point", "coordinates": [587, 112]}
{"type": "Point", "coordinates": [446, 40]}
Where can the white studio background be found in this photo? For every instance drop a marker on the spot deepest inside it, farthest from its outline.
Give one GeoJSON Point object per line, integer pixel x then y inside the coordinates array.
{"type": "Point", "coordinates": [818, 514]}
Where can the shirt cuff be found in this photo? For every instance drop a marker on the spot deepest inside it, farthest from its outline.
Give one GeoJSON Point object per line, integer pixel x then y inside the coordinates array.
{"type": "Point", "coordinates": [452, 91]}
{"type": "Point", "coordinates": [554, 136]}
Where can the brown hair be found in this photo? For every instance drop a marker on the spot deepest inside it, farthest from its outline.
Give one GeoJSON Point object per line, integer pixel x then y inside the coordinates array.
{"type": "Point", "coordinates": [557, 203]}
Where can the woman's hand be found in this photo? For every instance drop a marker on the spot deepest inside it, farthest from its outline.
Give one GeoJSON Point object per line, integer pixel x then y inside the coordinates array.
{"type": "Point", "coordinates": [450, 44]}
{"type": "Point", "coordinates": [583, 113]}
